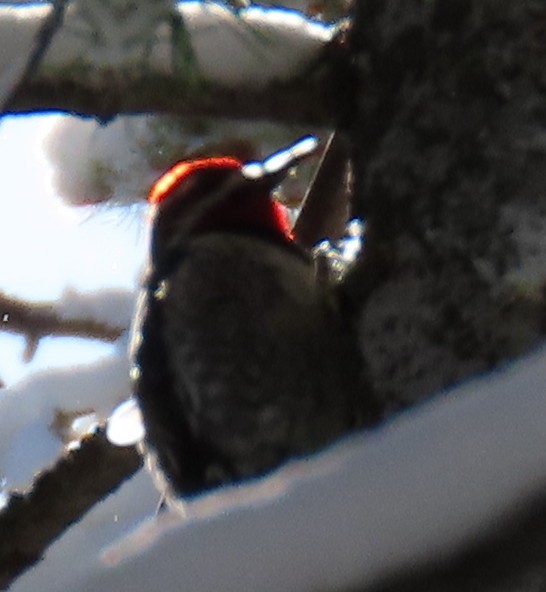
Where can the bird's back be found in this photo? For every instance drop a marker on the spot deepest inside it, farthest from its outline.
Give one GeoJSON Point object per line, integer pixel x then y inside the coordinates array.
{"type": "Point", "coordinates": [244, 362]}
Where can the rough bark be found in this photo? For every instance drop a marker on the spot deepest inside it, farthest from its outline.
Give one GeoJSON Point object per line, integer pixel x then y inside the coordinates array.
{"type": "Point", "coordinates": [450, 176]}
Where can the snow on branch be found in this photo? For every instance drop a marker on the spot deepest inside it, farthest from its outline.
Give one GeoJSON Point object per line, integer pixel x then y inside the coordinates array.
{"type": "Point", "coordinates": [29, 523]}
{"type": "Point", "coordinates": [196, 58]}
{"type": "Point", "coordinates": [37, 320]}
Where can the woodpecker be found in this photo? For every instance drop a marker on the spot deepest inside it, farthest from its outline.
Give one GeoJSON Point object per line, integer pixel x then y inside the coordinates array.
{"type": "Point", "coordinates": [241, 358]}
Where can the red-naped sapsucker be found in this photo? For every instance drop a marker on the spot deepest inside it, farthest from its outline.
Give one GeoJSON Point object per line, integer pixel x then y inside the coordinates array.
{"type": "Point", "coordinates": [241, 358]}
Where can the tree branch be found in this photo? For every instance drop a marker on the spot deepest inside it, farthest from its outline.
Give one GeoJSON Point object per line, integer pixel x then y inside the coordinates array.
{"type": "Point", "coordinates": [35, 321]}
{"type": "Point", "coordinates": [252, 65]}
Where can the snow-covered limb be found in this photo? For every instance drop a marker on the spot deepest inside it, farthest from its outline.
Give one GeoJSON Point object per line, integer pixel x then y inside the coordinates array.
{"type": "Point", "coordinates": [77, 316]}
{"type": "Point", "coordinates": [112, 308]}
{"type": "Point", "coordinates": [29, 409]}
{"type": "Point", "coordinates": [256, 63]}
{"type": "Point", "coordinates": [58, 498]}
{"type": "Point", "coordinates": [420, 488]}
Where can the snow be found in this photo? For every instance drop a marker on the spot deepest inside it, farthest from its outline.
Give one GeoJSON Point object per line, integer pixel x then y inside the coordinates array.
{"type": "Point", "coordinates": [114, 166]}
{"type": "Point", "coordinates": [28, 410]}
{"type": "Point", "coordinates": [112, 307]}
{"type": "Point", "coordinates": [114, 32]}
{"type": "Point", "coordinates": [408, 492]}
{"type": "Point", "coordinates": [254, 48]}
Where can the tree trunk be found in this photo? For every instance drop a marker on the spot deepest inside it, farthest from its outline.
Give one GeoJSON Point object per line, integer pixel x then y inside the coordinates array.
{"type": "Point", "coordinates": [449, 136]}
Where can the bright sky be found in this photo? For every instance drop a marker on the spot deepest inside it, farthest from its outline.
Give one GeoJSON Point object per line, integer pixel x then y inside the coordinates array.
{"type": "Point", "coordinates": [47, 247]}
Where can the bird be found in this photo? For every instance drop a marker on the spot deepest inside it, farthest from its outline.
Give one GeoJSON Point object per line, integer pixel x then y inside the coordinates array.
{"type": "Point", "coordinates": [241, 358]}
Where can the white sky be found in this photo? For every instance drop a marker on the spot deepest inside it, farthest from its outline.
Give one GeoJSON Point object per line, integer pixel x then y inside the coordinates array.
{"type": "Point", "coordinates": [47, 247]}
